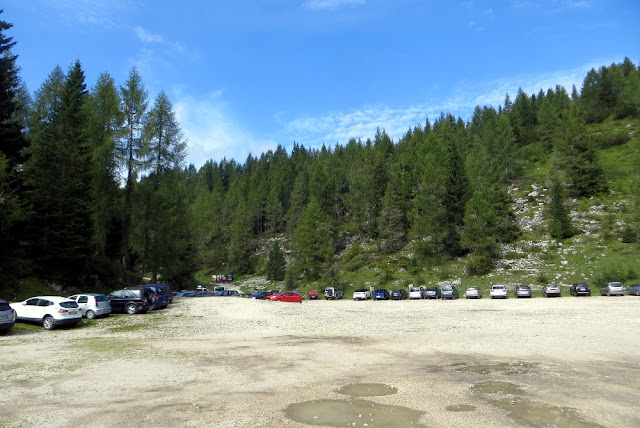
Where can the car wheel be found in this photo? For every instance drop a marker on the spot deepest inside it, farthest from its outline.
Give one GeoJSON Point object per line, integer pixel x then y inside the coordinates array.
{"type": "Point", "coordinates": [90, 315]}
{"type": "Point", "coordinates": [48, 323]}
{"type": "Point", "coordinates": [131, 309]}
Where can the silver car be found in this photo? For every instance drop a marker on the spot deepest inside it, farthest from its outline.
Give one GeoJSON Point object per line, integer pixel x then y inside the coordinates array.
{"type": "Point", "coordinates": [473, 293]}
{"type": "Point", "coordinates": [7, 317]}
{"type": "Point", "coordinates": [522, 291]}
{"type": "Point", "coordinates": [551, 290]}
{"type": "Point", "coordinates": [92, 305]}
{"type": "Point", "coordinates": [613, 289]}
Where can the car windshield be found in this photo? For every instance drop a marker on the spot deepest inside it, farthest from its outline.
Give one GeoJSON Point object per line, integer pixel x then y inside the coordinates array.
{"type": "Point", "coordinates": [446, 288]}
{"type": "Point", "coordinates": [414, 289]}
{"type": "Point", "coordinates": [616, 284]}
{"type": "Point", "coordinates": [5, 306]}
{"type": "Point", "coordinates": [498, 287]}
{"type": "Point", "coordinates": [361, 290]}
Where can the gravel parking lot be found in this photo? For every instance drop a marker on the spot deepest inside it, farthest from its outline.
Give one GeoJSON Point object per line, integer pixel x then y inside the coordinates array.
{"type": "Point", "coordinates": [233, 362]}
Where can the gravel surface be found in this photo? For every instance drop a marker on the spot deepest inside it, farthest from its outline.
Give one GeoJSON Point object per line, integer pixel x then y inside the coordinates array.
{"type": "Point", "coordinates": [232, 362]}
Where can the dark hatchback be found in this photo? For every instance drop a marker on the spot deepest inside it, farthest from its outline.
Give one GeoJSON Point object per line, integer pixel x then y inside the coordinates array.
{"type": "Point", "coordinates": [7, 317]}
{"type": "Point", "coordinates": [432, 293]}
{"type": "Point", "coordinates": [131, 301]}
{"type": "Point", "coordinates": [399, 294]}
{"type": "Point", "coordinates": [580, 289]}
{"type": "Point", "coordinates": [260, 295]}
{"type": "Point", "coordinates": [381, 294]}
{"type": "Point", "coordinates": [163, 295]}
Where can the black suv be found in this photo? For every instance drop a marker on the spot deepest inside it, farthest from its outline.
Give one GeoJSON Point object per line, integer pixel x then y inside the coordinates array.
{"type": "Point", "coordinates": [131, 301]}
{"type": "Point", "coordinates": [580, 289]}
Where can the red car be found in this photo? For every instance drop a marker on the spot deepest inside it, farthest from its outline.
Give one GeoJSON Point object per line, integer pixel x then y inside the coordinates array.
{"type": "Point", "coordinates": [286, 296]}
{"type": "Point", "coordinates": [313, 294]}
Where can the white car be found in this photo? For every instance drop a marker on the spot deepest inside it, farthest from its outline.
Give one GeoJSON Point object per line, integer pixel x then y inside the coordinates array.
{"type": "Point", "coordinates": [50, 311]}
{"type": "Point", "coordinates": [92, 305]}
{"type": "Point", "coordinates": [416, 293]}
{"type": "Point", "coordinates": [361, 294]}
{"type": "Point", "coordinates": [499, 292]}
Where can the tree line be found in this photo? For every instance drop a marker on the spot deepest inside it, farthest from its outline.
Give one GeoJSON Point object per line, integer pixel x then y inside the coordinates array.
{"type": "Point", "coordinates": [94, 190]}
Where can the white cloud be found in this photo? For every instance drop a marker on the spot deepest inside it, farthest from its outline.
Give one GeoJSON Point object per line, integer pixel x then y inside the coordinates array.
{"type": "Point", "coordinates": [331, 4]}
{"type": "Point", "coordinates": [212, 133]}
{"type": "Point", "coordinates": [361, 123]}
{"type": "Point", "coordinates": [147, 37]}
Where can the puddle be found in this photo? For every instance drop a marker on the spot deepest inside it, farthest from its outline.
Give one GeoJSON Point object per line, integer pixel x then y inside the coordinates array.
{"type": "Point", "coordinates": [340, 413]}
{"type": "Point", "coordinates": [461, 408]}
{"type": "Point", "coordinates": [497, 387]}
{"type": "Point", "coordinates": [367, 390]}
{"type": "Point", "coordinates": [504, 368]}
{"type": "Point", "coordinates": [542, 415]}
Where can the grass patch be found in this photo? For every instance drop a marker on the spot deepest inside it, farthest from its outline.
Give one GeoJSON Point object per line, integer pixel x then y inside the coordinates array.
{"type": "Point", "coordinates": [129, 328]}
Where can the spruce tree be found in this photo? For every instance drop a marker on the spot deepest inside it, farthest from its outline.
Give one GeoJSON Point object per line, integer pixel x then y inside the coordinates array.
{"type": "Point", "coordinates": [559, 222]}
{"type": "Point", "coordinates": [313, 241]}
{"type": "Point", "coordinates": [276, 264]}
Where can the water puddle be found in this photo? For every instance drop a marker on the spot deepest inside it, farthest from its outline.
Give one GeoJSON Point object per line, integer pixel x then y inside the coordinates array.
{"type": "Point", "coordinates": [504, 368]}
{"type": "Point", "coordinates": [497, 387]}
{"type": "Point", "coordinates": [461, 408]}
{"type": "Point", "coordinates": [358, 413]}
{"type": "Point", "coordinates": [542, 415]}
{"type": "Point", "coordinates": [367, 390]}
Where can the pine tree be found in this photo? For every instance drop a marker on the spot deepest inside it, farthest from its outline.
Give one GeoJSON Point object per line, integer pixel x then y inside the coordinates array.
{"type": "Point", "coordinates": [393, 223]}
{"type": "Point", "coordinates": [130, 149]}
{"type": "Point", "coordinates": [276, 264]}
{"type": "Point", "coordinates": [559, 223]}
{"type": "Point", "coordinates": [313, 241]}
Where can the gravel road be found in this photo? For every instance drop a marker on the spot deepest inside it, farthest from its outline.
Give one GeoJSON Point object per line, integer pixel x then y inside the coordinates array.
{"type": "Point", "coordinates": [232, 362]}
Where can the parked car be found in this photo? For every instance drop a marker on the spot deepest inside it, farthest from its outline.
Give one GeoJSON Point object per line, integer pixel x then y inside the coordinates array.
{"type": "Point", "coordinates": [333, 293]}
{"type": "Point", "coordinates": [551, 290]}
{"type": "Point", "coordinates": [473, 293]}
{"type": "Point", "coordinates": [227, 293]}
{"type": "Point", "coordinates": [580, 289]}
{"type": "Point", "coordinates": [165, 290]}
{"type": "Point", "coordinates": [523, 290]}
{"type": "Point", "coordinates": [92, 305]}
{"type": "Point", "coordinates": [612, 289]}
{"type": "Point", "coordinates": [7, 317]}
{"type": "Point", "coordinates": [131, 301]}
{"type": "Point", "coordinates": [286, 296]}
{"type": "Point", "coordinates": [634, 289]}
{"type": "Point", "coordinates": [399, 294]}
{"type": "Point", "coordinates": [499, 291]}
{"type": "Point", "coordinates": [157, 301]}
{"type": "Point", "coordinates": [449, 292]}
{"type": "Point", "coordinates": [260, 295]}
{"type": "Point", "coordinates": [432, 293]}
{"type": "Point", "coordinates": [381, 294]}
{"type": "Point", "coordinates": [361, 294]}
{"type": "Point", "coordinates": [416, 292]}
{"type": "Point", "coordinates": [50, 311]}
{"type": "Point", "coordinates": [312, 294]}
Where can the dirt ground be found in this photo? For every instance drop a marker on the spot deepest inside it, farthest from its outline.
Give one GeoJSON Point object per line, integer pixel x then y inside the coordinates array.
{"type": "Point", "coordinates": [233, 362]}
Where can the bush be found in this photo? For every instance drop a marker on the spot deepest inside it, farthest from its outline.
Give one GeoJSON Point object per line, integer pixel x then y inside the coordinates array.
{"type": "Point", "coordinates": [629, 235]}
{"type": "Point", "coordinates": [610, 140]}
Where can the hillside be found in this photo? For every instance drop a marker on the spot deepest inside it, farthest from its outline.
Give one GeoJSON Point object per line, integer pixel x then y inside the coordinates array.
{"type": "Point", "coordinates": [595, 255]}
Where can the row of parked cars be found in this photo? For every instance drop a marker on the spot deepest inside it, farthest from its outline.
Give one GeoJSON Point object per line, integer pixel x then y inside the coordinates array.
{"type": "Point", "coordinates": [53, 311]}
{"type": "Point", "coordinates": [497, 291]}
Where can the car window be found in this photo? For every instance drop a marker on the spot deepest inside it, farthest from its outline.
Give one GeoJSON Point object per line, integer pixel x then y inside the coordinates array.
{"type": "Point", "coordinates": [43, 302]}
{"type": "Point", "coordinates": [69, 304]}
{"type": "Point", "coordinates": [32, 302]}
{"type": "Point", "coordinates": [101, 298]}
{"type": "Point", "coordinates": [5, 307]}
{"type": "Point", "coordinates": [83, 299]}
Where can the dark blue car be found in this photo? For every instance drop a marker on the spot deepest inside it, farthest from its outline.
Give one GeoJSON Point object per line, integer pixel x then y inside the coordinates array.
{"type": "Point", "coordinates": [381, 294]}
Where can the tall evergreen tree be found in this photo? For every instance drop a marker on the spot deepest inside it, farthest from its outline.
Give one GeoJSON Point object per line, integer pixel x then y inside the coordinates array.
{"type": "Point", "coordinates": [313, 241]}
{"type": "Point", "coordinates": [559, 222]}
{"type": "Point", "coordinates": [130, 149]}
{"type": "Point", "coordinates": [60, 171]}
{"type": "Point", "coordinates": [276, 264]}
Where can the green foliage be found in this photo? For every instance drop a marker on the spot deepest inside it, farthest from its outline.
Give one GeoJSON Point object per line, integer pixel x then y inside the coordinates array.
{"type": "Point", "coordinates": [276, 265]}
{"type": "Point", "coordinates": [313, 241]}
{"type": "Point", "coordinates": [559, 223]}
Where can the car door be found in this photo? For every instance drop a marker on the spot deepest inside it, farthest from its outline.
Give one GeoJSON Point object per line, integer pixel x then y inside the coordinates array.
{"type": "Point", "coordinates": [117, 299]}
{"type": "Point", "coordinates": [29, 310]}
{"type": "Point", "coordinates": [83, 303]}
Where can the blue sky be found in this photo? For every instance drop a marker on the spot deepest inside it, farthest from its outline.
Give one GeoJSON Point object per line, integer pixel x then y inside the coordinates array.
{"type": "Point", "coordinates": [247, 75]}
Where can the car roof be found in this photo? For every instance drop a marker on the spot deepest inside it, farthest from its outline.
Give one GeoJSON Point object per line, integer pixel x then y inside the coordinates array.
{"type": "Point", "coordinates": [88, 294]}
{"type": "Point", "coordinates": [52, 298]}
